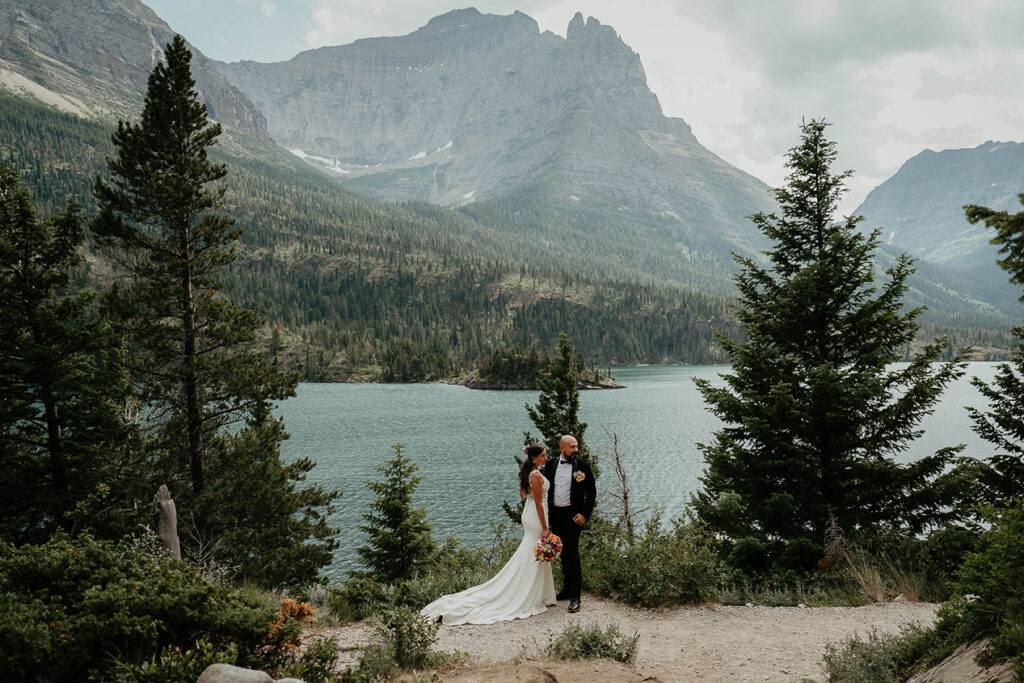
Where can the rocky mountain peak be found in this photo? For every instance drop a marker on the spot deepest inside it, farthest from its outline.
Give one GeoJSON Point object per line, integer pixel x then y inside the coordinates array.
{"type": "Point", "coordinates": [920, 208]}
{"type": "Point", "coordinates": [471, 18]}
{"type": "Point", "coordinates": [473, 106]}
{"type": "Point", "coordinates": [73, 48]}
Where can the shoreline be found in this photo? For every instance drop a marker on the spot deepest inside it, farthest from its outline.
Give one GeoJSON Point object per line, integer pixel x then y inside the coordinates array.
{"type": "Point", "coordinates": [586, 386]}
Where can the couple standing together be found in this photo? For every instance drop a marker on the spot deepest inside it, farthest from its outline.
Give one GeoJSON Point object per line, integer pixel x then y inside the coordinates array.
{"type": "Point", "coordinates": [560, 495]}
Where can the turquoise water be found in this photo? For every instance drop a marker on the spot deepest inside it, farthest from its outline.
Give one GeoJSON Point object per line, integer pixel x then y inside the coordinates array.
{"type": "Point", "coordinates": [464, 442]}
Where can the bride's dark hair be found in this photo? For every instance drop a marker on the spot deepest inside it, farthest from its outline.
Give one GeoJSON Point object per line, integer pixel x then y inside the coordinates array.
{"type": "Point", "coordinates": [531, 451]}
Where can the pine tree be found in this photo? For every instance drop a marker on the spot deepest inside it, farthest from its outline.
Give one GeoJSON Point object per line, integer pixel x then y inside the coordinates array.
{"type": "Point", "coordinates": [1002, 475]}
{"type": "Point", "coordinates": [558, 405]}
{"type": "Point", "coordinates": [814, 411]}
{"type": "Point", "coordinates": [398, 539]}
{"type": "Point", "coordinates": [59, 422]}
{"type": "Point", "coordinates": [191, 351]}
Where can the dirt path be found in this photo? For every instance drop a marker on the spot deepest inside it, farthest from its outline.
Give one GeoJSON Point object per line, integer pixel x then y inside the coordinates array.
{"type": "Point", "coordinates": [710, 643]}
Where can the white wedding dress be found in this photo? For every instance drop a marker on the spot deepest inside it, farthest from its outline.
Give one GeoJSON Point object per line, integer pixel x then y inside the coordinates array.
{"type": "Point", "coordinates": [521, 589]}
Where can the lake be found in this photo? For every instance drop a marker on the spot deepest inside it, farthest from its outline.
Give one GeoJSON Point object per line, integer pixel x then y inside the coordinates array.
{"type": "Point", "coordinates": [465, 440]}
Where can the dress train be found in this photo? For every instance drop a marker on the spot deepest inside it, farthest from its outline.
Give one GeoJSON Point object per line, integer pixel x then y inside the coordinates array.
{"type": "Point", "coordinates": [522, 588]}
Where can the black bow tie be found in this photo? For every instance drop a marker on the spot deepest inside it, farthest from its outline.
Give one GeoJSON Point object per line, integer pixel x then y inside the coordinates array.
{"type": "Point", "coordinates": [567, 462]}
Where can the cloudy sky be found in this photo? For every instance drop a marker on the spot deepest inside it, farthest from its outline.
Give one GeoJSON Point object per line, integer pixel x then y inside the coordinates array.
{"type": "Point", "coordinates": [894, 77]}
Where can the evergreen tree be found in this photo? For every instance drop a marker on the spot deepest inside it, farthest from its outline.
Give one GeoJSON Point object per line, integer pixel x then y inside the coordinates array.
{"type": "Point", "coordinates": [1002, 475]}
{"type": "Point", "coordinates": [59, 418]}
{"type": "Point", "coordinates": [398, 539]}
{"type": "Point", "coordinates": [191, 351]}
{"type": "Point", "coordinates": [558, 405]}
{"type": "Point", "coordinates": [814, 411]}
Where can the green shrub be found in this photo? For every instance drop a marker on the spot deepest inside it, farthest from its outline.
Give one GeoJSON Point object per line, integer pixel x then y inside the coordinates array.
{"type": "Point", "coordinates": [749, 555]}
{"type": "Point", "coordinates": [316, 664]}
{"type": "Point", "coordinates": [411, 636]}
{"type": "Point", "coordinates": [75, 607]}
{"type": "Point", "coordinates": [990, 590]}
{"type": "Point", "coordinates": [879, 659]}
{"type": "Point", "coordinates": [403, 641]}
{"type": "Point", "coordinates": [657, 567]}
{"type": "Point", "coordinates": [173, 664]}
{"type": "Point", "coordinates": [578, 642]}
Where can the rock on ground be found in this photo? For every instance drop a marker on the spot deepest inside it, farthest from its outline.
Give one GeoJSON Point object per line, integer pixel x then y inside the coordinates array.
{"type": "Point", "coordinates": [961, 667]}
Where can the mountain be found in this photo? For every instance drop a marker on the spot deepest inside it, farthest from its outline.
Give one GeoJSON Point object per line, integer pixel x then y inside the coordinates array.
{"type": "Point", "coordinates": [920, 208]}
{"type": "Point", "coordinates": [93, 58]}
{"type": "Point", "coordinates": [360, 288]}
{"type": "Point", "coordinates": [475, 107]}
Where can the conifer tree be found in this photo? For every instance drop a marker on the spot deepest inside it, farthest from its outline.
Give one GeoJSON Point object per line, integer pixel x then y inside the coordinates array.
{"type": "Point", "coordinates": [206, 386]}
{"type": "Point", "coordinates": [59, 426]}
{"type": "Point", "coordinates": [1002, 475]}
{"type": "Point", "coordinates": [398, 539]}
{"type": "Point", "coordinates": [814, 410]}
{"type": "Point", "coordinates": [558, 405]}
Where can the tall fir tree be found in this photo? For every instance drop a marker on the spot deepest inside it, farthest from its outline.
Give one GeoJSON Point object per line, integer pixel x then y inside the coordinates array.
{"type": "Point", "coordinates": [558, 405]}
{"type": "Point", "coordinates": [815, 413]}
{"type": "Point", "coordinates": [398, 539]}
{"type": "Point", "coordinates": [60, 427]}
{"type": "Point", "coordinates": [556, 413]}
{"type": "Point", "coordinates": [206, 386]}
{"type": "Point", "coordinates": [1002, 475]}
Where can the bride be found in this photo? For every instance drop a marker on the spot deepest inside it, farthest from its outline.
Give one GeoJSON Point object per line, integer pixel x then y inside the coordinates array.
{"type": "Point", "coordinates": [524, 586]}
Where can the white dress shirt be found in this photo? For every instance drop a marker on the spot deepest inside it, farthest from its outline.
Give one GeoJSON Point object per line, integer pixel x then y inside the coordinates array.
{"type": "Point", "coordinates": [563, 482]}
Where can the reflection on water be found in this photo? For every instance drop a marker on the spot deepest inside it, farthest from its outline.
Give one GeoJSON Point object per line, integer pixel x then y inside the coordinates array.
{"type": "Point", "coordinates": [465, 441]}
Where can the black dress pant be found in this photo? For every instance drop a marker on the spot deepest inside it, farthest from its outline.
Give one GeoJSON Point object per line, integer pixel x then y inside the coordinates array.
{"type": "Point", "coordinates": [566, 529]}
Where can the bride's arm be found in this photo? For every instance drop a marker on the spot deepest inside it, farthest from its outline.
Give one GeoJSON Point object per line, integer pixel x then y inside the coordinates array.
{"type": "Point", "coordinates": [537, 486]}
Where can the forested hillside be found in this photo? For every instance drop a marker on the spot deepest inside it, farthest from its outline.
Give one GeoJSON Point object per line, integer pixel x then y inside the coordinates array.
{"type": "Point", "coordinates": [349, 282]}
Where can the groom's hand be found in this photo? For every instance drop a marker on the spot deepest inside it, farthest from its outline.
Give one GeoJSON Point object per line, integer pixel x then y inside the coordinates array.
{"type": "Point", "coordinates": [579, 519]}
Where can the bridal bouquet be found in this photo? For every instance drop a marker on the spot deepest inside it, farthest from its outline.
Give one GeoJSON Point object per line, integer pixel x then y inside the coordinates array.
{"type": "Point", "coordinates": [548, 548]}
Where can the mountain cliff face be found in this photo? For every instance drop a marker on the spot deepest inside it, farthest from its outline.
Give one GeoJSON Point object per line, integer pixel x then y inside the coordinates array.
{"type": "Point", "coordinates": [89, 56]}
{"type": "Point", "coordinates": [920, 209]}
{"type": "Point", "coordinates": [472, 107]}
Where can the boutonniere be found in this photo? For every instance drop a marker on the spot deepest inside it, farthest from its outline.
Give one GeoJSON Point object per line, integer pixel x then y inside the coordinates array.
{"type": "Point", "coordinates": [579, 476]}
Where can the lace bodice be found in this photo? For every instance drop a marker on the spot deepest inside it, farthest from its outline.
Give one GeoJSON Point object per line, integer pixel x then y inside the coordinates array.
{"type": "Point", "coordinates": [547, 485]}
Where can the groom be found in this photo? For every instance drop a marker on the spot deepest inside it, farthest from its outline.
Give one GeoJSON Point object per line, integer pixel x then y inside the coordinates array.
{"type": "Point", "coordinates": [571, 498]}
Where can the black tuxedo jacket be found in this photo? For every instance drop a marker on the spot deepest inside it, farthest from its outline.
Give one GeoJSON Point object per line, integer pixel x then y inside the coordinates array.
{"type": "Point", "coordinates": [582, 493]}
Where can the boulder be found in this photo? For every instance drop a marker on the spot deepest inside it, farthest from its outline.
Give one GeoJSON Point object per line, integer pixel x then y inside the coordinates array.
{"type": "Point", "coordinates": [226, 673]}
{"type": "Point", "coordinates": [961, 667]}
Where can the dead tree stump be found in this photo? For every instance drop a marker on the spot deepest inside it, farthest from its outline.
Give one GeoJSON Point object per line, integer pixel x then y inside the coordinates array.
{"type": "Point", "coordinates": [167, 521]}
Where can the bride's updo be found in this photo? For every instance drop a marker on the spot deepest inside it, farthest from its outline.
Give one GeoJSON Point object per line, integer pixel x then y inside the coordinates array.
{"type": "Point", "coordinates": [531, 451]}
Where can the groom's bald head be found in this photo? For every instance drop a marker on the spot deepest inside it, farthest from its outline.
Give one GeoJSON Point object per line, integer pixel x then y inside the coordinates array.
{"type": "Point", "coordinates": [568, 446]}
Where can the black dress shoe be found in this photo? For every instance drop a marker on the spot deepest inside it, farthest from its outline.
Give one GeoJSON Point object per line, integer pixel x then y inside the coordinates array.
{"type": "Point", "coordinates": [574, 606]}
{"type": "Point", "coordinates": [561, 595]}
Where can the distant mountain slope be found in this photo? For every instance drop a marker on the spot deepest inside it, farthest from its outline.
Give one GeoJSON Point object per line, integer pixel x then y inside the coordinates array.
{"type": "Point", "coordinates": [475, 107]}
{"type": "Point", "coordinates": [349, 281]}
{"type": "Point", "coordinates": [920, 208]}
{"type": "Point", "coordinates": [357, 288]}
{"type": "Point", "coordinates": [93, 58]}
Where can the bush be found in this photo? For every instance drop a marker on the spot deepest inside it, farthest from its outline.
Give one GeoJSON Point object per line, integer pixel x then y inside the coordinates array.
{"type": "Point", "coordinates": [75, 608]}
{"type": "Point", "coordinates": [879, 659]}
{"type": "Point", "coordinates": [578, 642]}
{"type": "Point", "coordinates": [403, 641]}
{"type": "Point", "coordinates": [990, 590]}
{"type": "Point", "coordinates": [316, 664]}
{"type": "Point", "coordinates": [174, 665]}
{"type": "Point", "coordinates": [657, 567]}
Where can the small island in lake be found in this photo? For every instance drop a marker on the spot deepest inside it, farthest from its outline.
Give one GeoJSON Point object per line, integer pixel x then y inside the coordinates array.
{"type": "Point", "coordinates": [518, 368]}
